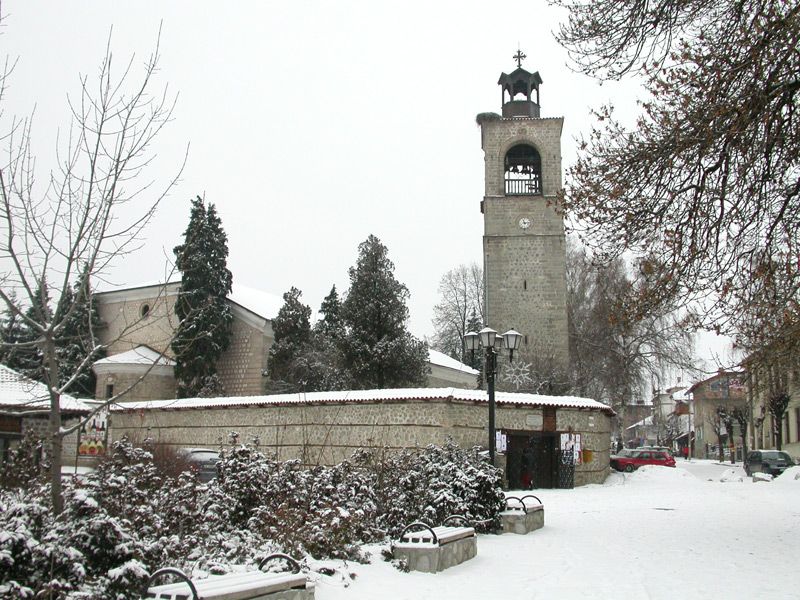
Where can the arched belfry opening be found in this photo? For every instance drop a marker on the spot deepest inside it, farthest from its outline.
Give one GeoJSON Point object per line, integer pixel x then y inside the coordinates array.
{"type": "Point", "coordinates": [523, 171]}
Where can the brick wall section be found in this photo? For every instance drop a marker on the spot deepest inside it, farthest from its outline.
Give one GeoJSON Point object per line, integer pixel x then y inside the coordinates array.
{"type": "Point", "coordinates": [525, 270]}
{"type": "Point", "coordinates": [242, 364]}
{"type": "Point", "coordinates": [328, 433]}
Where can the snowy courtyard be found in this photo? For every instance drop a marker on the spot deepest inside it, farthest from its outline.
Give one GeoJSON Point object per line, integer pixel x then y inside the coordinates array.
{"type": "Point", "coordinates": [700, 530]}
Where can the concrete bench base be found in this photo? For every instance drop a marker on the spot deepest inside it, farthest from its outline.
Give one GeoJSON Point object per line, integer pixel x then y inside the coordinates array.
{"type": "Point", "coordinates": [432, 558]}
{"type": "Point", "coordinates": [517, 521]}
{"type": "Point", "coordinates": [253, 585]}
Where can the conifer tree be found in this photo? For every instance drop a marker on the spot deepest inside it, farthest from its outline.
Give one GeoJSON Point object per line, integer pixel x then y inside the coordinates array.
{"type": "Point", "coordinates": [331, 324]}
{"type": "Point", "coordinates": [292, 331]}
{"type": "Point", "coordinates": [205, 320]}
{"type": "Point", "coordinates": [379, 350]}
{"type": "Point", "coordinates": [11, 332]}
{"type": "Point", "coordinates": [27, 358]}
{"type": "Point", "coordinates": [78, 340]}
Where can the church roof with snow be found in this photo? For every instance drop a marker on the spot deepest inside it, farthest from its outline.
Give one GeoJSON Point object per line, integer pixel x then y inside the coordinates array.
{"type": "Point", "coordinates": [438, 358]}
{"type": "Point", "coordinates": [368, 396]}
{"type": "Point", "coordinates": [22, 394]}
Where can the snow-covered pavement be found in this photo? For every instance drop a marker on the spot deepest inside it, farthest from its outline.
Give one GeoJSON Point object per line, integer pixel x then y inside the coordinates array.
{"type": "Point", "coordinates": [656, 533]}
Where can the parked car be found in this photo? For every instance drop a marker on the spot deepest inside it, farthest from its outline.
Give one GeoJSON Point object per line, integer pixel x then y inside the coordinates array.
{"type": "Point", "coordinates": [773, 462]}
{"type": "Point", "coordinates": [631, 459]}
{"type": "Point", "coordinates": [658, 449]}
{"type": "Point", "coordinates": [202, 460]}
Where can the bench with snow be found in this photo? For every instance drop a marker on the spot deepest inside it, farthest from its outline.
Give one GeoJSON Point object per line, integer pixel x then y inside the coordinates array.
{"type": "Point", "coordinates": [522, 517]}
{"type": "Point", "coordinates": [250, 585]}
{"type": "Point", "coordinates": [433, 549]}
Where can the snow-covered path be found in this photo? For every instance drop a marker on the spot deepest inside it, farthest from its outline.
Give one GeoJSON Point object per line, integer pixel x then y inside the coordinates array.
{"type": "Point", "coordinates": [657, 533]}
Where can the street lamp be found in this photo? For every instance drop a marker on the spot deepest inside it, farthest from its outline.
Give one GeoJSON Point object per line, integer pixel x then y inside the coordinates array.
{"type": "Point", "coordinates": [488, 339]}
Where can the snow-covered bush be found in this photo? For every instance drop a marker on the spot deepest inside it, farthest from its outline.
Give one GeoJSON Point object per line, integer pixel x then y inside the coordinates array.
{"type": "Point", "coordinates": [130, 517]}
{"type": "Point", "coordinates": [23, 466]}
{"type": "Point", "coordinates": [324, 511]}
{"type": "Point", "coordinates": [433, 483]}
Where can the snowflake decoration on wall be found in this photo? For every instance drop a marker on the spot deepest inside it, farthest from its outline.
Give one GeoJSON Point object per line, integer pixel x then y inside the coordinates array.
{"type": "Point", "coordinates": [518, 374]}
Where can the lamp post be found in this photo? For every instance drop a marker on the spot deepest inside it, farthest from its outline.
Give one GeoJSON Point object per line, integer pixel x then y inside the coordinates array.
{"type": "Point", "coordinates": [488, 339]}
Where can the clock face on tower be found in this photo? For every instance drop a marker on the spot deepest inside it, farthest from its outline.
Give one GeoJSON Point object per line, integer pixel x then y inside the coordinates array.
{"type": "Point", "coordinates": [524, 223]}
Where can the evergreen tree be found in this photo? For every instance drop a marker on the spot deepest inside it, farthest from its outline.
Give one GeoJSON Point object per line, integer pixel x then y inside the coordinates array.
{"type": "Point", "coordinates": [205, 320]}
{"type": "Point", "coordinates": [292, 333]}
{"type": "Point", "coordinates": [27, 358]}
{"type": "Point", "coordinates": [331, 324]}
{"type": "Point", "coordinates": [379, 351]}
{"type": "Point", "coordinates": [11, 333]}
{"type": "Point", "coordinates": [78, 340]}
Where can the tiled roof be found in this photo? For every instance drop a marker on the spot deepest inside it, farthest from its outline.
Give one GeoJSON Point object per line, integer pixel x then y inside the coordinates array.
{"type": "Point", "coordinates": [21, 393]}
{"type": "Point", "coordinates": [365, 396]}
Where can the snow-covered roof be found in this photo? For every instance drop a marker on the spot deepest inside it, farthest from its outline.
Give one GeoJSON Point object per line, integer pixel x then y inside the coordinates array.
{"type": "Point", "coordinates": [262, 303]}
{"type": "Point", "coordinates": [141, 355]}
{"type": "Point", "coordinates": [22, 393]}
{"type": "Point", "coordinates": [358, 396]}
{"type": "Point", "coordinates": [643, 423]}
{"type": "Point", "coordinates": [438, 358]}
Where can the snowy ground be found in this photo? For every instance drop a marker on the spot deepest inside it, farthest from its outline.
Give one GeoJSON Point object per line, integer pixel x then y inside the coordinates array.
{"type": "Point", "coordinates": [656, 533]}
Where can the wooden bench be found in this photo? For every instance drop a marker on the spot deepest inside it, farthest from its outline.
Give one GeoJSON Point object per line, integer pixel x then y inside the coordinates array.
{"type": "Point", "coordinates": [249, 585]}
{"type": "Point", "coordinates": [433, 549]}
{"type": "Point", "coordinates": [522, 517]}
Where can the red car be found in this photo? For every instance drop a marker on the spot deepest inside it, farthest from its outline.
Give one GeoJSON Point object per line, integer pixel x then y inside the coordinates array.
{"type": "Point", "coordinates": [630, 460]}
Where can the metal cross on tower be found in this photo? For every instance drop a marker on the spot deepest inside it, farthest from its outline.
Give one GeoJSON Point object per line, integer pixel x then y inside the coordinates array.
{"type": "Point", "coordinates": [519, 57]}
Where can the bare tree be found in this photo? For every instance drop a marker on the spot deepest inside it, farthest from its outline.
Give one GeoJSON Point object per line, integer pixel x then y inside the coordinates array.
{"type": "Point", "coordinates": [705, 186]}
{"type": "Point", "coordinates": [93, 211]}
{"type": "Point", "coordinates": [741, 413]}
{"type": "Point", "coordinates": [461, 292]}
{"type": "Point", "coordinates": [714, 419]}
{"type": "Point", "coordinates": [613, 357]}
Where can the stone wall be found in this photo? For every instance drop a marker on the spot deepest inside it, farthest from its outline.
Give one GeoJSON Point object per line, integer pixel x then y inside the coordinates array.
{"type": "Point", "coordinates": [125, 325]}
{"type": "Point", "coordinates": [328, 433]}
{"type": "Point", "coordinates": [152, 387]}
{"type": "Point", "coordinates": [39, 425]}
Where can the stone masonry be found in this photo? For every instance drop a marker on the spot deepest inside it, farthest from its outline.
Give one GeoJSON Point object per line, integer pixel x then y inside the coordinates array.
{"type": "Point", "coordinates": [326, 433]}
{"type": "Point", "coordinates": [525, 269]}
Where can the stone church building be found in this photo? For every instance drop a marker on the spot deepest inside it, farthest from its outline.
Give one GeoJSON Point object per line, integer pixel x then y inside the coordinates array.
{"type": "Point", "coordinates": [140, 322]}
{"type": "Point", "coordinates": [543, 441]}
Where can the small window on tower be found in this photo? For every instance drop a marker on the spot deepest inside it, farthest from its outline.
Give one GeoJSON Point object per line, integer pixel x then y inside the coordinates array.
{"type": "Point", "coordinates": [109, 390]}
{"type": "Point", "coordinates": [523, 167]}
{"type": "Point", "coordinates": [145, 310]}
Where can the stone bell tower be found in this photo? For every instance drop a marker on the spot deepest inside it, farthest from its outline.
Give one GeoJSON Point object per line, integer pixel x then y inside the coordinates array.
{"type": "Point", "coordinates": [524, 247]}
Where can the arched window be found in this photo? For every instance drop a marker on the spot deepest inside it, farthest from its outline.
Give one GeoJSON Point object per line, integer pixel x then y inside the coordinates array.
{"type": "Point", "coordinates": [523, 171]}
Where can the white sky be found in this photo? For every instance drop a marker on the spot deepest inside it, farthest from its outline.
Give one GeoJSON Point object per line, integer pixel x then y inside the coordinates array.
{"type": "Point", "coordinates": [311, 124]}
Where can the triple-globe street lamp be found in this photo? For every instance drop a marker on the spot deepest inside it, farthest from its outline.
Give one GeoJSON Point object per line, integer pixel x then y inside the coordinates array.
{"type": "Point", "coordinates": [488, 339]}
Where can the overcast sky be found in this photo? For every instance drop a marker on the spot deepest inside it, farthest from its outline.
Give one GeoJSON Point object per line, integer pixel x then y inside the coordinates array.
{"type": "Point", "coordinates": [311, 125]}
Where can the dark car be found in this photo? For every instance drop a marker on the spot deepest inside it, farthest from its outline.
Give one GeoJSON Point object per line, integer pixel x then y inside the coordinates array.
{"type": "Point", "coordinates": [202, 460]}
{"type": "Point", "coordinates": [773, 462]}
{"type": "Point", "coordinates": [631, 459]}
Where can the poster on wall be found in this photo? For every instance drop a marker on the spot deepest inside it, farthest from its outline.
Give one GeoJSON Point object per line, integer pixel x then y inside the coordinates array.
{"type": "Point", "coordinates": [571, 444]}
{"type": "Point", "coordinates": [93, 437]}
{"type": "Point", "coordinates": [500, 441]}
